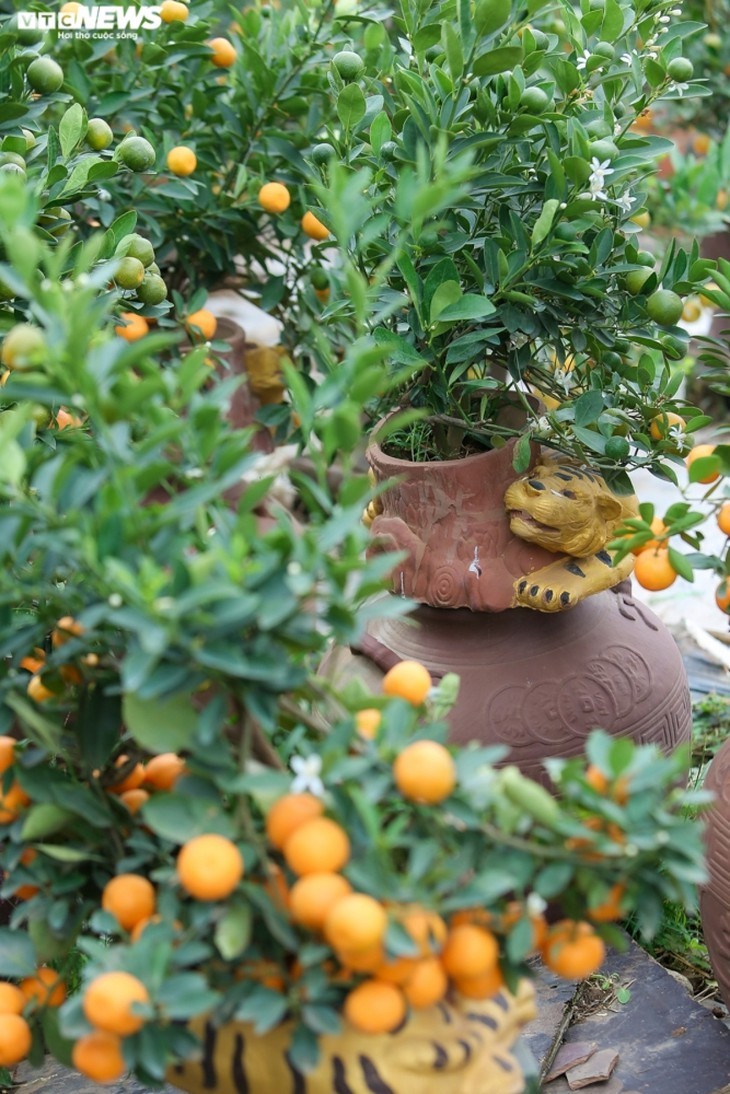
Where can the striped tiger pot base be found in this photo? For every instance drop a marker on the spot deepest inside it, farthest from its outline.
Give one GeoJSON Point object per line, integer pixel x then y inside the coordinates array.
{"type": "Point", "coordinates": [455, 1048]}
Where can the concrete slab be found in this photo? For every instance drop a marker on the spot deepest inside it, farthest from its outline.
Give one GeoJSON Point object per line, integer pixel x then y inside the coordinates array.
{"type": "Point", "coordinates": [666, 1042]}
{"type": "Point", "coordinates": [52, 1078]}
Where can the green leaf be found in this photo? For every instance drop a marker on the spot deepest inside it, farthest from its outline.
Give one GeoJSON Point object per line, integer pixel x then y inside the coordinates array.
{"type": "Point", "coordinates": [351, 105]}
{"type": "Point", "coordinates": [413, 281]}
{"type": "Point", "coordinates": [588, 407]}
{"type": "Point", "coordinates": [43, 820]}
{"type": "Point", "coordinates": [620, 754]}
{"type": "Point", "coordinates": [71, 128]}
{"type": "Point", "coordinates": [233, 931]}
{"type": "Point", "coordinates": [704, 468]}
{"type": "Point", "coordinates": [60, 1047]}
{"type": "Point", "coordinates": [13, 463]}
{"type": "Point", "coordinates": [577, 169]}
{"type": "Point", "coordinates": [452, 47]}
{"type": "Point", "coordinates": [303, 1051]}
{"type": "Point", "coordinates": [184, 995]}
{"type": "Point", "coordinates": [161, 725]}
{"type": "Point", "coordinates": [491, 15]}
{"type": "Point", "coordinates": [399, 942]}
{"type": "Point", "coordinates": [522, 454]}
{"type": "Point", "coordinates": [544, 222]}
{"type": "Point", "coordinates": [264, 1007]}
{"type": "Point", "coordinates": [123, 226]}
{"type": "Point", "coordinates": [497, 60]}
{"type": "Point", "coordinates": [469, 306]}
{"type": "Point", "coordinates": [98, 719]}
{"type": "Point", "coordinates": [679, 562]}
{"type": "Point", "coordinates": [17, 954]}
{"type": "Point", "coordinates": [380, 132]}
{"type": "Point", "coordinates": [553, 879]}
{"type": "Point", "coordinates": [63, 853]}
{"type": "Point", "coordinates": [78, 176]}
{"type": "Point", "coordinates": [38, 727]}
{"type": "Point", "coordinates": [520, 940]}
{"type": "Point", "coordinates": [322, 1019]}
{"type": "Point", "coordinates": [655, 74]}
{"type": "Point", "coordinates": [613, 21]}
{"type": "Point", "coordinates": [179, 817]}
{"type": "Point", "coordinates": [447, 293]}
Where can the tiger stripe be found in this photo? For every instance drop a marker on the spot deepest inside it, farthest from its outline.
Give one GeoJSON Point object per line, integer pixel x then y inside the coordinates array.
{"type": "Point", "coordinates": [464, 1050]}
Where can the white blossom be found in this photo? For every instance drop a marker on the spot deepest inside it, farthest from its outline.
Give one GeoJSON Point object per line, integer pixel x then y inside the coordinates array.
{"type": "Point", "coordinates": [581, 63]}
{"type": "Point", "coordinates": [600, 168]}
{"type": "Point", "coordinates": [541, 425]}
{"type": "Point", "coordinates": [681, 88]}
{"type": "Point", "coordinates": [627, 58]}
{"type": "Point", "coordinates": [597, 179]}
{"type": "Point", "coordinates": [115, 601]}
{"type": "Point", "coordinates": [307, 771]}
{"type": "Point", "coordinates": [624, 203]}
{"type": "Point", "coordinates": [564, 379]}
{"type": "Point", "coordinates": [535, 904]}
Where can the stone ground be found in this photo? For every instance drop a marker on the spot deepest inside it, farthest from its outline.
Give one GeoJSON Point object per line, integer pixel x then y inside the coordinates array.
{"type": "Point", "coordinates": [666, 1043]}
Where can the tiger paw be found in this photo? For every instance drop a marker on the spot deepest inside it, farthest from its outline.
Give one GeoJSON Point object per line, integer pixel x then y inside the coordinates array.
{"type": "Point", "coordinates": [567, 581]}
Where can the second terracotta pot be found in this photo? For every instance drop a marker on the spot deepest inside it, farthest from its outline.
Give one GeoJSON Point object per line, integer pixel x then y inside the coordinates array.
{"type": "Point", "coordinates": [537, 683]}
{"type": "Point", "coordinates": [715, 895]}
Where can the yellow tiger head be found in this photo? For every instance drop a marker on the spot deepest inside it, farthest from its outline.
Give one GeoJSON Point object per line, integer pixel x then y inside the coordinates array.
{"type": "Point", "coordinates": [565, 508]}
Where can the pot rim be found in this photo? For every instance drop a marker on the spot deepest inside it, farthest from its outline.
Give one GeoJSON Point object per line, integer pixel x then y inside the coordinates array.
{"type": "Point", "coordinates": [376, 449]}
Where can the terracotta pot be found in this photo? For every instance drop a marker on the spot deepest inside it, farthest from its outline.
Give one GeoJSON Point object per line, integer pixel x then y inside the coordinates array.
{"type": "Point", "coordinates": [459, 1048]}
{"type": "Point", "coordinates": [717, 246]}
{"type": "Point", "coordinates": [450, 519]}
{"type": "Point", "coordinates": [539, 683]}
{"type": "Point", "coordinates": [715, 896]}
{"type": "Point", "coordinates": [242, 409]}
{"type": "Point", "coordinates": [244, 403]}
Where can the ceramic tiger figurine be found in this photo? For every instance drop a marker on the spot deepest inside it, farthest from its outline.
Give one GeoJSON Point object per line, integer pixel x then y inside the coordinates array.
{"type": "Point", "coordinates": [568, 509]}
{"type": "Point", "coordinates": [452, 1048]}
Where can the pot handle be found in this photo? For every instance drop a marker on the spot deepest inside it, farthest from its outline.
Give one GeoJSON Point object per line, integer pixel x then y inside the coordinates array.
{"type": "Point", "coordinates": [381, 655]}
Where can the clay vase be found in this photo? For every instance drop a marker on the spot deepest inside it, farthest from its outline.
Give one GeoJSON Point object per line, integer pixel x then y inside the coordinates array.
{"type": "Point", "coordinates": [538, 683]}
{"type": "Point", "coordinates": [244, 403]}
{"type": "Point", "coordinates": [450, 519]}
{"type": "Point", "coordinates": [715, 895]}
{"type": "Point", "coordinates": [460, 1047]}
{"type": "Point", "coordinates": [717, 246]}
{"type": "Point", "coordinates": [243, 406]}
